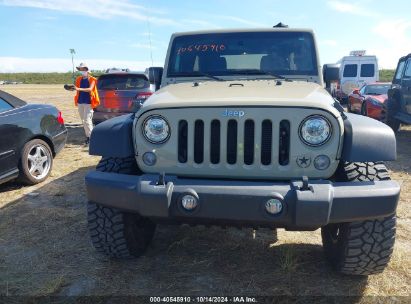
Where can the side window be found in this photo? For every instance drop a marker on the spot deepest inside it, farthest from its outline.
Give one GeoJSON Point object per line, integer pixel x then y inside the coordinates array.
{"type": "Point", "coordinates": [367, 70]}
{"type": "Point", "coordinates": [4, 106]}
{"type": "Point", "coordinates": [407, 72]}
{"type": "Point", "coordinates": [362, 91]}
{"type": "Point", "coordinates": [350, 70]}
{"type": "Point", "coordinates": [400, 68]}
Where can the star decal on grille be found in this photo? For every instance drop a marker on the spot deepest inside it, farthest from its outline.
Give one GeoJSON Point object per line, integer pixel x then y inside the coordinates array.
{"type": "Point", "coordinates": [303, 161]}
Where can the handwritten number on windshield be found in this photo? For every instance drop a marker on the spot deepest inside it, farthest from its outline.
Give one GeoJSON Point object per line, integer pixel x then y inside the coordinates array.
{"type": "Point", "coordinates": [201, 48]}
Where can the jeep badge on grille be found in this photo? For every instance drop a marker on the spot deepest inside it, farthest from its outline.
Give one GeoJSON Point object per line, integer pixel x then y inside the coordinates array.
{"type": "Point", "coordinates": [233, 113]}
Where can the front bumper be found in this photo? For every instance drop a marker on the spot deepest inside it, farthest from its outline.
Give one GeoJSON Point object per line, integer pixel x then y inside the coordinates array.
{"type": "Point", "coordinates": [241, 203]}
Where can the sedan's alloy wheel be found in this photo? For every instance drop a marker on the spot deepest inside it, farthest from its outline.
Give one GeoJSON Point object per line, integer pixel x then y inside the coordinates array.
{"type": "Point", "coordinates": [39, 161]}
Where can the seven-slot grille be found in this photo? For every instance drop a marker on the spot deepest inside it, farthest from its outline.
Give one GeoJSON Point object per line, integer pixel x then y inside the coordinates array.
{"type": "Point", "coordinates": [245, 142]}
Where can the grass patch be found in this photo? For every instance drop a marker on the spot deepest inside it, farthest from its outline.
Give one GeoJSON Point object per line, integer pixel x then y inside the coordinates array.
{"type": "Point", "coordinates": [288, 259]}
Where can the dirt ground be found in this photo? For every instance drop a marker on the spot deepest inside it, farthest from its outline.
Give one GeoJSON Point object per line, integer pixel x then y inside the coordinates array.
{"type": "Point", "coordinates": [45, 249]}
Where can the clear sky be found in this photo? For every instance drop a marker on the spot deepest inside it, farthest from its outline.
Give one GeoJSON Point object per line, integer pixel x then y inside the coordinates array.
{"type": "Point", "coordinates": [36, 35]}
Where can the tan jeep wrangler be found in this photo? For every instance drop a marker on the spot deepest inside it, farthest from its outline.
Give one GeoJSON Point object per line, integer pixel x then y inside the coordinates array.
{"type": "Point", "coordinates": [242, 133]}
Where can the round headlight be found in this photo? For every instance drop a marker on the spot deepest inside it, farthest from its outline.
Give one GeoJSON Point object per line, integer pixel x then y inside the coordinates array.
{"type": "Point", "coordinates": [156, 129]}
{"type": "Point", "coordinates": [315, 130]}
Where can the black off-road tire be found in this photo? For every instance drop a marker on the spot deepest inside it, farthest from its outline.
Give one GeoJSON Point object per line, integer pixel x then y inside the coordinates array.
{"type": "Point", "coordinates": [126, 165]}
{"type": "Point", "coordinates": [363, 247]}
{"type": "Point", "coordinates": [389, 109]}
{"type": "Point", "coordinates": [116, 233]}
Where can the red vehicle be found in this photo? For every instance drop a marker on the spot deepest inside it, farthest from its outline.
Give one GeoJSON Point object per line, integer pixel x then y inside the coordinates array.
{"type": "Point", "coordinates": [369, 100]}
{"type": "Point", "coordinates": [120, 92]}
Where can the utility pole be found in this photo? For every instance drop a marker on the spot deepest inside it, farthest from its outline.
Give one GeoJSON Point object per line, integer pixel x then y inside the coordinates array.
{"type": "Point", "coordinates": [149, 39]}
{"type": "Point", "coordinates": [72, 52]}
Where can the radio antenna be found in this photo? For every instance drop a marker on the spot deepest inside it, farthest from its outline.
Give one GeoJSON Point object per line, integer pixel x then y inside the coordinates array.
{"type": "Point", "coordinates": [149, 40]}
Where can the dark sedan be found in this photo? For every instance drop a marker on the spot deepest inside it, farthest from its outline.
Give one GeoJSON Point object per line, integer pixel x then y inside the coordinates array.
{"type": "Point", "coordinates": [30, 136]}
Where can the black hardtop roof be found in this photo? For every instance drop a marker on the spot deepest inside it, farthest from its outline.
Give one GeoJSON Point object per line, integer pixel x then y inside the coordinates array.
{"type": "Point", "coordinates": [405, 57]}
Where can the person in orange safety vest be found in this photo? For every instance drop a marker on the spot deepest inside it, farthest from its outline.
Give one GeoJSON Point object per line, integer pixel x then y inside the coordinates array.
{"type": "Point", "coordinates": [86, 98]}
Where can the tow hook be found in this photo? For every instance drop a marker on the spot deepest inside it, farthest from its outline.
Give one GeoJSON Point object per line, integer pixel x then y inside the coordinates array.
{"type": "Point", "coordinates": [305, 186]}
{"type": "Point", "coordinates": [161, 179]}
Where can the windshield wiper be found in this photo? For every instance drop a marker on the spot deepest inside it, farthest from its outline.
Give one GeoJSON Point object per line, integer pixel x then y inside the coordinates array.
{"type": "Point", "coordinates": [259, 72]}
{"type": "Point", "coordinates": [197, 73]}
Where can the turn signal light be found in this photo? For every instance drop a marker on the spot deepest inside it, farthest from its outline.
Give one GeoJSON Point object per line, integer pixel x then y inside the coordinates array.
{"type": "Point", "coordinates": [273, 206]}
{"type": "Point", "coordinates": [189, 202]}
{"type": "Point", "coordinates": [60, 119]}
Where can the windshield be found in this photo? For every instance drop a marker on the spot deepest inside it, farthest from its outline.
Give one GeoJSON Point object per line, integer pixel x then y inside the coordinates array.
{"type": "Point", "coordinates": [122, 82]}
{"type": "Point", "coordinates": [280, 53]}
{"type": "Point", "coordinates": [377, 89]}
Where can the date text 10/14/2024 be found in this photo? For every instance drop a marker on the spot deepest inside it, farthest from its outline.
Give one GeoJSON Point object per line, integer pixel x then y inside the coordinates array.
{"type": "Point", "coordinates": [238, 299]}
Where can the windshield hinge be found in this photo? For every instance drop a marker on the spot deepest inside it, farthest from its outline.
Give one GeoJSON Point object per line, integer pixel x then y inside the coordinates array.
{"type": "Point", "coordinates": [340, 108]}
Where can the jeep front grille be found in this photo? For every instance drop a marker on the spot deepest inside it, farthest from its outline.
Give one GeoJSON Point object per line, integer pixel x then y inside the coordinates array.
{"type": "Point", "coordinates": [238, 148]}
{"type": "Point", "coordinates": [262, 144]}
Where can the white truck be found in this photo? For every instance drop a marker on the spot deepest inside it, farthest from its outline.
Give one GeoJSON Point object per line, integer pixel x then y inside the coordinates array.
{"type": "Point", "coordinates": [356, 70]}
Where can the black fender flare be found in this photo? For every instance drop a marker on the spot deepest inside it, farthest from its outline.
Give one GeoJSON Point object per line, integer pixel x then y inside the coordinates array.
{"type": "Point", "coordinates": [367, 140]}
{"type": "Point", "coordinates": [113, 137]}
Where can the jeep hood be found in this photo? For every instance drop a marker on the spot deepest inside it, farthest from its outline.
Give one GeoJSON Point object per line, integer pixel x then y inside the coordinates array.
{"type": "Point", "coordinates": [242, 93]}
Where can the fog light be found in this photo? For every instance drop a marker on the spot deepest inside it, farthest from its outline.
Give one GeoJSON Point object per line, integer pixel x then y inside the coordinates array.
{"type": "Point", "coordinates": [149, 158]}
{"type": "Point", "coordinates": [189, 202]}
{"type": "Point", "coordinates": [322, 162]}
{"type": "Point", "coordinates": [273, 206]}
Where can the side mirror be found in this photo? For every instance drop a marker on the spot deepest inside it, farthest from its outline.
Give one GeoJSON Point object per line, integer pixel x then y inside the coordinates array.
{"type": "Point", "coordinates": [331, 72]}
{"type": "Point", "coordinates": [154, 76]}
{"type": "Point", "coordinates": [356, 91]}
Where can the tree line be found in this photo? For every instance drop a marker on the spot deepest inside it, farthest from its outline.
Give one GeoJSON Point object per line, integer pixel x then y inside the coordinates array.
{"type": "Point", "coordinates": [43, 78]}
{"type": "Point", "coordinates": [62, 78]}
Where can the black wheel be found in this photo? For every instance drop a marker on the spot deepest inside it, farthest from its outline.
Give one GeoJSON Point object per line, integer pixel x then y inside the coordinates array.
{"type": "Point", "coordinates": [36, 162]}
{"type": "Point", "coordinates": [363, 247]}
{"type": "Point", "coordinates": [114, 232]}
{"type": "Point", "coordinates": [389, 109]}
{"type": "Point", "coordinates": [364, 108]}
